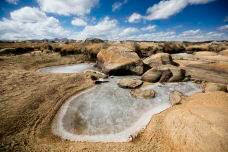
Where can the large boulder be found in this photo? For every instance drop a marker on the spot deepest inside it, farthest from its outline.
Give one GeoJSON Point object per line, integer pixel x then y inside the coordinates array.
{"type": "Point", "coordinates": [130, 83]}
{"type": "Point", "coordinates": [118, 60]}
{"type": "Point", "coordinates": [152, 75]}
{"type": "Point", "coordinates": [158, 59]}
{"type": "Point", "coordinates": [164, 73]}
{"type": "Point", "coordinates": [178, 74]}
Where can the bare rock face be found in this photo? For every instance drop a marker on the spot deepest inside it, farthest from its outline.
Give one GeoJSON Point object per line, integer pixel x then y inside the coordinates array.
{"type": "Point", "coordinates": [139, 93]}
{"type": "Point", "coordinates": [130, 83]}
{"type": "Point", "coordinates": [212, 72]}
{"type": "Point", "coordinates": [175, 97]}
{"type": "Point", "coordinates": [118, 60]}
{"type": "Point", "coordinates": [158, 59]}
{"type": "Point", "coordinates": [152, 75]}
{"type": "Point", "coordinates": [211, 87]}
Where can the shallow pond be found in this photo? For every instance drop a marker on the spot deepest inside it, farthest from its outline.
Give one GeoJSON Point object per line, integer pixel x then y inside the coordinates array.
{"type": "Point", "coordinates": [108, 113]}
{"type": "Point", "coordinates": [74, 68]}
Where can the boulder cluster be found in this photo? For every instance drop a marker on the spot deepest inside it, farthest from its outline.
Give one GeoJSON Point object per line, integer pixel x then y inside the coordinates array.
{"type": "Point", "coordinates": [119, 60]}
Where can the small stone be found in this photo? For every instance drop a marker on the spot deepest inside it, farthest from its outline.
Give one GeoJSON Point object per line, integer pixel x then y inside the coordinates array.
{"type": "Point", "coordinates": [130, 83]}
{"type": "Point", "coordinates": [139, 93]}
{"type": "Point", "coordinates": [95, 75]}
{"type": "Point", "coordinates": [175, 97]}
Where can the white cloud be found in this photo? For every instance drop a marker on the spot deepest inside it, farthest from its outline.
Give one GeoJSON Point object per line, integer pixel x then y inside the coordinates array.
{"type": "Point", "coordinates": [149, 28]}
{"type": "Point", "coordinates": [30, 23]}
{"type": "Point", "coordinates": [135, 17]}
{"type": "Point", "coordinates": [190, 32]}
{"type": "Point", "coordinates": [78, 22]}
{"type": "Point", "coordinates": [12, 1]}
{"type": "Point", "coordinates": [117, 5]}
{"type": "Point", "coordinates": [129, 31]}
{"type": "Point", "coordinates": [109, 29]}
{"type": "Point", "coordinates": [166, 8]}
{"type": "Point", "coordinates": [106, 29]}
{"type": "Point", "coordinates": [223, 28]}
{"type": "Point", "coordinates": [68, 7]}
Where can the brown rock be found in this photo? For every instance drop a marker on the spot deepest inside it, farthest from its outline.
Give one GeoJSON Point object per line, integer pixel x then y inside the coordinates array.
{"type": "Point", "coordinates": [139, 93]}
{"type": "Point", "coordinates": [175, 97]}
{"type": "Point", "coordinates": [95, 74]}
{"type": "Point", "coordinates": [152, 75]}
{"type": "Point", "coordinates": [178, 74]}
{"type": "Point", "coordinates": [166, 75]}
{"type": "Point", "coordinates": [130, 83]}
{"type": "Point", "coordinates": [158, 59]}
{"type": "Point", "coordinates": [119, 61]}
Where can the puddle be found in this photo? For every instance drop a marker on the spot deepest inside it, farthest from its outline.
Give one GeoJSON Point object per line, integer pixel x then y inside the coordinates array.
{"type": "Point", "coordinates": [74, 68]}
{"type": "Point", "coordinates": [108, 113]}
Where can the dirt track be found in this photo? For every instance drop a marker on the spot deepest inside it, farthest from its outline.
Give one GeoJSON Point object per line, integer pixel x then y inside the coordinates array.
{"type": "Point", "coordinates": [29, 100]}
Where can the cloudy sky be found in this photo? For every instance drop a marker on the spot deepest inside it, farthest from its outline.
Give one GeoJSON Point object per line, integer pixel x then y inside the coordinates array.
{"type": "Point", "coordinates": [191, 20]}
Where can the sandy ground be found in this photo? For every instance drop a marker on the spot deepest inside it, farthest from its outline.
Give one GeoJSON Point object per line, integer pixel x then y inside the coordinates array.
{"type": "Point", "coordinates": [29, 101]}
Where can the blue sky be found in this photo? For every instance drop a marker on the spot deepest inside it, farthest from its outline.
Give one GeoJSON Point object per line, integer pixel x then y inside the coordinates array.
{"type": "Point", "coordinates": [191, 20]}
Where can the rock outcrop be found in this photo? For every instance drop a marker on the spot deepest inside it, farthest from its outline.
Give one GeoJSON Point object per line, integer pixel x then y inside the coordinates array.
{"type": "Point", "coordinates": [119, 61]}
{"type": "Point", "coordinates": [212, 72]}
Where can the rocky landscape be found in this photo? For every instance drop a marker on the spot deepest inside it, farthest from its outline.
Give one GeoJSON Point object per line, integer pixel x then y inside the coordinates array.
{"type": "Point", "coordinates": [34, 89]}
